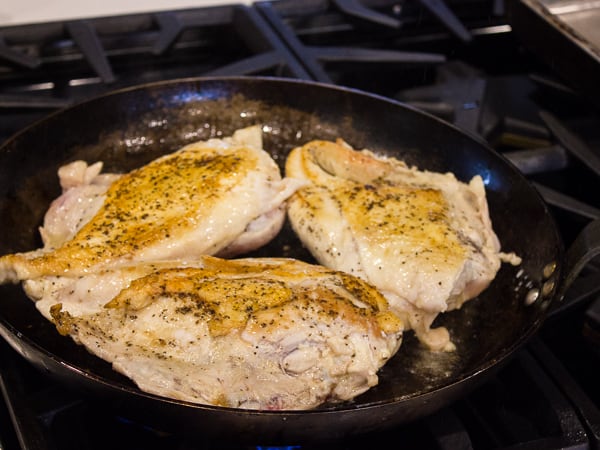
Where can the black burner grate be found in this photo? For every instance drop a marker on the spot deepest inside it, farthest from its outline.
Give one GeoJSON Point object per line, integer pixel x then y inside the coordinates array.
{"type": "Point", "coordinates": [520, 406]}
{"type": "Point", "coordinates": [51, 65]}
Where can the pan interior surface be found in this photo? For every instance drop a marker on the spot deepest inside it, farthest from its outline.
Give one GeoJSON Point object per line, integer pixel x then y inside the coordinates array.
{"type": "Point", "coordinates": [131, 127]}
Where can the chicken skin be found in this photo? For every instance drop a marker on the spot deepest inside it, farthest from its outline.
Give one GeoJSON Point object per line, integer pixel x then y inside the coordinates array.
{"type": "Point", "coordinates": [424, 239]}
{"type": "Point", "coordinates": [218, 197]}
{"type": "Point", "coordinates": [261, 333]}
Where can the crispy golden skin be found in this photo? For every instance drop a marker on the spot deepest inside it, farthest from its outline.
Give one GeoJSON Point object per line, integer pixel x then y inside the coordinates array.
{"type": "Point", "coordinates": [199, 200]}
{"type": "Point", "coordinates": [261, 333]}
{"type": "Point", "coordinates": [423, 238]}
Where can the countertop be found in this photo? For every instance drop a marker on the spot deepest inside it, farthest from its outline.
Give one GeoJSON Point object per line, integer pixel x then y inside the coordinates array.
{"type": "Point", "coordinates": [17, 12]}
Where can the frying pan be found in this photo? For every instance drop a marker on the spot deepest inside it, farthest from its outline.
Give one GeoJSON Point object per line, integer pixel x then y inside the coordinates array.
{"type": "Point", "coordinates": [130, 127]}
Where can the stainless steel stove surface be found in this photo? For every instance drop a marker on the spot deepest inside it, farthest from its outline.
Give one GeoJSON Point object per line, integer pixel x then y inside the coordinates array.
{"type": "Point", "coordinates": [460, 60]}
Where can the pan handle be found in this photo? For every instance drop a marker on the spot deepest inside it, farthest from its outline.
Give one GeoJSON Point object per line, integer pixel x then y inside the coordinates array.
{"type": "Point", "coordinates": [584, 248]}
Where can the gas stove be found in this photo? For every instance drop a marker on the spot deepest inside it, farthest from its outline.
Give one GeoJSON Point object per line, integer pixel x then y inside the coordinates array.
{"type": "Point", "coordinates": [459, 60]}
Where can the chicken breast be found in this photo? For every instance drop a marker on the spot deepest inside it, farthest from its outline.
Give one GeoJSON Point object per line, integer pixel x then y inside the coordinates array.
{"type": "Point", "coordinates": [424, 239]}
{"type": "Point", "coordinates": [221, 196]}
{"type": "Point", "coordinates": [268, 334]}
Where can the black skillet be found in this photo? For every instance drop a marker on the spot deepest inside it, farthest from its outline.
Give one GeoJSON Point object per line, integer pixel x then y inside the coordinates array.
{"type": "Point", "coordinates": [129, 127]}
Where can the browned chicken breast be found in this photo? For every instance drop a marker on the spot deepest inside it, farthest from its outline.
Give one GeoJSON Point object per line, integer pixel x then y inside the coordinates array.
{"type": "Point", "coordinates": [262, 333]}
{"type": "Point", "coordinates": [424, 239]}
{"type": "Point", "coordinates": [222, 196]}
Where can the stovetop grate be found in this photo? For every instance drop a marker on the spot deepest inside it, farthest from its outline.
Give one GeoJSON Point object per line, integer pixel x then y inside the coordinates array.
{"type": "Point", "coordinates": [48, 416]}
{"type": "Point", "coordinates": [52, 65]}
